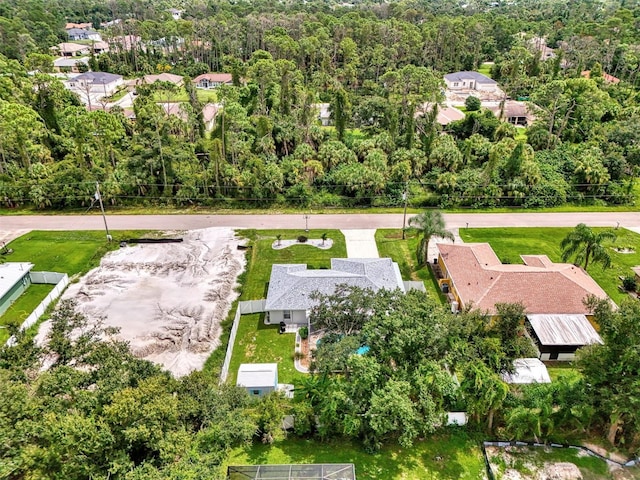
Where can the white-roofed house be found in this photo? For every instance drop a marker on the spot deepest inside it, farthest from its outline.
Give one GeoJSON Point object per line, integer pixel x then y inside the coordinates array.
{"type": "Point", "coordinates": [72, 65]}
{"type": "Point", "coordinates": [258, 379]}
{"type": "Point", "coordinates": [83, 34]}
{"type": "Point", "coordinates": [470, 81]}
{"type": "Point", "coordinates": [14, 280]}
{"type": "Point", "coordinates": [291, 285]}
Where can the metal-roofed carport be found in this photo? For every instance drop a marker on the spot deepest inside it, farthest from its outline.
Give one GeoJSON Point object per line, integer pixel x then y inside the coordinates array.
{"type": "Point", "coordinates": [317, 471]}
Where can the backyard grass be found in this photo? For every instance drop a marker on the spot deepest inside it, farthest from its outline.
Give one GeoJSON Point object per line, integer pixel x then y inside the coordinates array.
{"type": "Point", "coordinates": [260, 343]}
{"type": "Point", "coordinates": [444, 456]}
{"type": "Point", "coordinates": [22, 308]}
{"type": "Point", "coordinates": [510, 243]}
{"type": "Point", "coordinates": [390, 244]}
{"type": "Point", "coordinates": [255, 341]}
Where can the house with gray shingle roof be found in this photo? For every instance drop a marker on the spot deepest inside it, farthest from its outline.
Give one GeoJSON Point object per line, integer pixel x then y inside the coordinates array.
{"type": "Point", "coordinates": [470, 81]}
{"type": "Point", "coordinates": [291, 285]}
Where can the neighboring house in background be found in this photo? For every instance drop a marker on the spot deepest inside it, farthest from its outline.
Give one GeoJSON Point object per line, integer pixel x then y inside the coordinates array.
{"type": "Point", "coordinates": [605, 76]}
{"type": "Point", "coordinates": [175, 13]}
{"type": "Point", "coordinates": [324, 113]}
{"type": "Point", "coordinates": [445, 116]}
{"type": "Point", "coordinates": [209, 115]}
{"type": "Point", "coordinates": [100, 84]}
{"type": "Point", "coordinates": [70, 26]}
{"type": "Point", "coordinates": [527, 370]}
{"type": "Point", "coordinates": [174, 108]}
{"type": "Point", "coordinates": [127, 42]}
{"type": "Point", "coordinates": [14, 280]}
{"type": "Point", "coordinates": [515, 112]}
{"type": "Point", "coordinates": [470, 81]}
{"type": "Point", "coordinates": [212, 80]}
{"type": "Point", "coordinates": [70, 64]}
{"type": "Point", "coordinates": [474, 277]}
{"type": "Point", "coordinates": [177, 80]}
{"type": "Point", "coordinates": [291, 285]}
{"type": "Point", "coordinates": [99, 47]}
{"type": "Point", "coordinates": [258, 379]}
{"type": "Point", "coordinates": [111, 23]}
{"type": "Point", "coordinates": [68, 49]}
{"type": "Point", "coordinates": [82, 34]}
{"type": "Point", "coordinates": [539, 44]}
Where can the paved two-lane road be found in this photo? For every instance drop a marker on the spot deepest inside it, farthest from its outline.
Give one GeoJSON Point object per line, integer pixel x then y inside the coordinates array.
{"type": "Point", "coordinates": [322, 221]}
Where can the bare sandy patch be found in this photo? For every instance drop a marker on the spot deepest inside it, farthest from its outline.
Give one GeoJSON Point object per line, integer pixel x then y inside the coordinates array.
{"type": "Point", "coordinates": [169, 299]}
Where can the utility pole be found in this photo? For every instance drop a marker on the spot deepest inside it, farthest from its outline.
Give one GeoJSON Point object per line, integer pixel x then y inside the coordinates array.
{"type": "Point", "coordinates": [104, 217]}
{"type": "Point", "coordinates": [405, 197]}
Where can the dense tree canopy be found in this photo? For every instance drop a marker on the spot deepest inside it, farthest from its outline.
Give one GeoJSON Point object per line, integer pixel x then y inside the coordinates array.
{"type": "Point", "coordinates": [375, 65]}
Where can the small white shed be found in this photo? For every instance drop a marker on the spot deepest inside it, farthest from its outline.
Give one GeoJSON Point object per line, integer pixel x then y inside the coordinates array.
{"type": "Point", "coordinates": [258, 379]}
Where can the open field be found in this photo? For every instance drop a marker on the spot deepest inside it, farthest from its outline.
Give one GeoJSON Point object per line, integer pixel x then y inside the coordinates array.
{"type": "Point", "coordinates": [260, 343]}
{"type": "Point", "coordinates": [390, 244]}
{"type": "Point", "coordinates": [446, 456]}
{"type": "Point", "coordinates": [510, 243]}
{"type": "Point", "coordinates": [22, 308]}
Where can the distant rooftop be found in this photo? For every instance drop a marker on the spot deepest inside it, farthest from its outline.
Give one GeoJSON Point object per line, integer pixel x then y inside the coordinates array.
{"type": "Point", "coordinates": [465, 75]}
{"type": "Point", "coordinates": [97, 78]}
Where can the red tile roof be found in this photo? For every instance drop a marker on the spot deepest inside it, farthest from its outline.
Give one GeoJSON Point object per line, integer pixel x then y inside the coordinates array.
{"type": "Point", "coordinates": [543, 287]}
{"type": "Point", "coordinates": [607, 78]}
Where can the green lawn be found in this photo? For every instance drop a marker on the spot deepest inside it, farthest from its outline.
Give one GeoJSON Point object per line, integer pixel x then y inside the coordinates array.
{"type": "Point", "coordinates": [66, 252]}
{"type": "Point", "coordinates": [255, 341]}
{"type": "Point", "coordinates": [390, 244]}
{"type": "Point", "coordinates": [181, 95]}
{"type": "Point", "coordinates": [22, 308]}
{"type": "Point", "coordinates": [485, 69]}
{"type": "Point", "coordinates": [439, 457]}
{"type": "Point", "coordinates": [510, 243]}
{"type": "Point", "coordinates": [260, 343]}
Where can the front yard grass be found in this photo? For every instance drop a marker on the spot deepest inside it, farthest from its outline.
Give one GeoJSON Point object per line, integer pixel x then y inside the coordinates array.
{"type": "Point", "coordinates": [22, 308]}
{"type": "Point", "coordinates": [72, 252]}
{"type": "Point", "coordinates": [443, 456]}
{"type": "Point", "coordinates": [510, 243]}
{"type": "Point", "coordinates": [390, 244]}
{"type": "Point", "coordinates": [255, 341]}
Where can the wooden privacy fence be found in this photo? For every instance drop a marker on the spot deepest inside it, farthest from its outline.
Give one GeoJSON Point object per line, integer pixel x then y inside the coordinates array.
{"type": "Point", "coordinates": [60, 280]}
{"type": "Point", "coordinates": [246, 307]}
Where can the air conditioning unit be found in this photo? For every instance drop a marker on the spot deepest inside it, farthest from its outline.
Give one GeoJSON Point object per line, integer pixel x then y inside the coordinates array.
{"type": "Point", "coordinates": [454, 307]}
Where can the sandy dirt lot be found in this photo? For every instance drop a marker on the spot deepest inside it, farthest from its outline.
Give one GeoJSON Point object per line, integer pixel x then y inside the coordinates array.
{"type": "Point", "coordinates": [167, 299]}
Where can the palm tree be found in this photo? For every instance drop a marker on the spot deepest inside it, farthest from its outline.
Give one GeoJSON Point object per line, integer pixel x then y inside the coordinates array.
{"type": "Point", "coordinates": [586, 245]}
{"type": "Point", "coordinates": [429, 224]}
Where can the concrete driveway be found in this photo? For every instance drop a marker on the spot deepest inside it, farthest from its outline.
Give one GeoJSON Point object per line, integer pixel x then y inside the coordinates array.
{"type": "Point", "coordinates": [361, 243]}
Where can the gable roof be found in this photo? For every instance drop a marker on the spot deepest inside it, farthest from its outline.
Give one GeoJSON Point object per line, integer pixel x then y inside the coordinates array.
{"type": "Point", "coordinates": [465, 75]}
{"type": "Point", "coordinates": [214, 77]}
{"type": "Point", "coordinates": [97, 78]}
{"type": "Point", "coordinates": [572, 330]}
{"type": "Point", "coordinates": [543, 287]}
{"type": "Point", "coordinates": [257, 375]}
{"type": "Point", "coordinates": [291, 285]}
{"type": "Point", "coordinates": [162, 77]}
{"type": "Point", "coordinates": [71, 62]}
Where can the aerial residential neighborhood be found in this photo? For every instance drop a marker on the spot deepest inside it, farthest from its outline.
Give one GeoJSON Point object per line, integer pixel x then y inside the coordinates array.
{"type": "Point", "coordinates": [319, 240]}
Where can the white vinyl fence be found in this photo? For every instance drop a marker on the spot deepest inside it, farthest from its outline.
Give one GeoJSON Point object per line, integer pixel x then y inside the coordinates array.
{"type": "Point", "coordinates": [60, 280]}
{"type": "Point", "coordinates": [250, 306]}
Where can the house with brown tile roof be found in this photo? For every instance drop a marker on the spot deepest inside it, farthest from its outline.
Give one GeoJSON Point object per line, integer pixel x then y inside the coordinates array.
{"type": "Point", "coordinates": [605, 76]}
{"type": "Point", "coordinates": [553, 293]}
{"type": "Point", "coordinates": [212, 80]}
